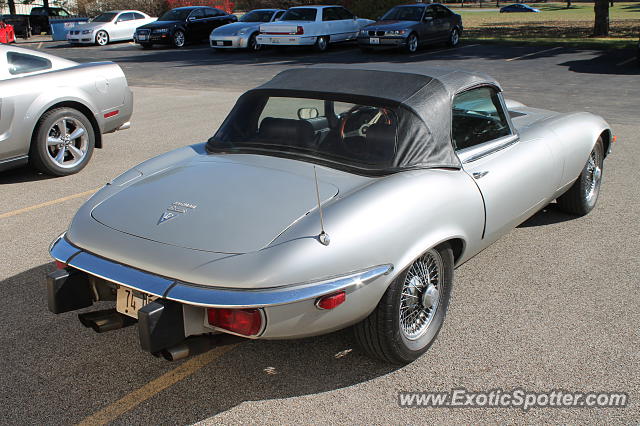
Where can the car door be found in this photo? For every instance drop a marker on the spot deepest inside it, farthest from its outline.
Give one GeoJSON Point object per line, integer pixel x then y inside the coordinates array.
{"type": "Point", "coordinates": [215, 18]}
{"type": "Point", "coordinates": [516, 178]}
{"type": "Point", "coordinates": [196, 25]}
{"type": "Point", "coordinates": [124, 27]}
{"type": "Point", "coordinates": [427, 28]}
{"type": "Point", "coordinates": [442, 21]}
{"type": "Point", "coordinates": [331, 24]}
{"type": "Point", "coordinates": [348, 24]}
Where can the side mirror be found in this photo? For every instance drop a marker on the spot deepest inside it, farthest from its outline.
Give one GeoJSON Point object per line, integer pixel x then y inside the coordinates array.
{"type": "Point", "coordinates": [307, 113]}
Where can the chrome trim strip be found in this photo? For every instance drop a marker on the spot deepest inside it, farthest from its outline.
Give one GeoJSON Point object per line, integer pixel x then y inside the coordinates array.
{"type": "Point", "coordinates": [61, 250]}
{"type": "Point", "coordinates": [476, 152]}
{"type": "Point", "coordinates": [214, 297]}
{"type": "Point", "coordinates": [237, 298]}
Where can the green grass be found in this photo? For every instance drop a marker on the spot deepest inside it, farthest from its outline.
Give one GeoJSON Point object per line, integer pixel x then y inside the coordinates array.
{"type": "Point", "coordinates": [554, 25]}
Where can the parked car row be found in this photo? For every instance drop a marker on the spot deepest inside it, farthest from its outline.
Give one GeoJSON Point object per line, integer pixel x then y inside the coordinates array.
{"type": "Point", "coordinates": [407, 27]}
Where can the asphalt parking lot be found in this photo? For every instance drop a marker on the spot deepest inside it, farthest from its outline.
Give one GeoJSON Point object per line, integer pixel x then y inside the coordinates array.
{"type": "Point", "coordinates": [553, 305]}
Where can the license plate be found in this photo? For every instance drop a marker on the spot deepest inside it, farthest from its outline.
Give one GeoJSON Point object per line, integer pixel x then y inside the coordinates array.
{"type": "Point", "coordinates": [275, 40]}
{"type": "Point", "coordinates": [129, 301]}
{"type": "Point", "coordinates": [219, 43]}
{"type": "Point", "coordinates": [374, 40]}
{"type": "Point", "coordinates": [142, 37]}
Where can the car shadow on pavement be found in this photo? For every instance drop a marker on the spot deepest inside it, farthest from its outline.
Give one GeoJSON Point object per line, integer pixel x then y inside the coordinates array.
{"type": "Point", "coordinates": [549, 215]}
{"type": "Point", "coordinates": [55, 370]}
{"type": "Point", "coordinates": [21, 175]}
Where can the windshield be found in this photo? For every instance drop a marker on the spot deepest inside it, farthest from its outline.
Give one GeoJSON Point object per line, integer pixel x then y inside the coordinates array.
{"type": "Point", "coordinates": [105, 17]}
{"type": "Point", "coordinates": [353, 134]}
{"type": "Point", "coordinates": [404, 13]}
{"type": "Point", "coordinates": [299, 14]}
{"type": "Point", "coordinates": [257, 16]}
{"type": "Point", "coordinates": [175, 15]}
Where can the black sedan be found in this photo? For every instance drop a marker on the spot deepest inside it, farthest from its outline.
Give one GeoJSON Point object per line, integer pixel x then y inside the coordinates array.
{"type": "Point", "coordinates": [519, 7]}
{"type": "Point", "coordinates": [181, 25]}
{"type": "Point", "coordinates": [410, 26]}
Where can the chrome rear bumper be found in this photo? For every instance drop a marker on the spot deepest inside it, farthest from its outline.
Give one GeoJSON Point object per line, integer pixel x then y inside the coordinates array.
{"type": "Point", "coordinates": [207, 296]}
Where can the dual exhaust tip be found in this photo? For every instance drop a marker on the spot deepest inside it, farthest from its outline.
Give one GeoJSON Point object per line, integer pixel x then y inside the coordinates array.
{"type": "Point", "coordinates": [110, 319]}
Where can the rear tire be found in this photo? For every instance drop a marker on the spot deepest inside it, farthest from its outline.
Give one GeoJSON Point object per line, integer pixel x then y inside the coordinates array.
{"type": "Point", "coordinates": [62, 143]}
{"type": "Point", "coordinates": [411, 312]}
{"type": "Point", "coordinates": [454, 38]}
{"type": "Point", "coordinates": [322, 44]}
{"type": "Point", "coordinates": [581, 198]}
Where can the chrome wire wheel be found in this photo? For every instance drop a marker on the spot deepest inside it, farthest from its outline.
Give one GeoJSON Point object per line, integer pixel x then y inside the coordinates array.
{"type": "Point", "coordinates": [420, 295]}
{"type": "Point", "coordinates": [102, 38]}
{"type": "Point", "coordinates": [67, 142]}
{"type": "Point", "coordinates": [594, 174]}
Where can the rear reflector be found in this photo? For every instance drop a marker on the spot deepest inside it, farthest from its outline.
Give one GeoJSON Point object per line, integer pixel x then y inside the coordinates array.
{"type": "Point", "coordinates": [61, 265]}
{"type": "Point", "coordinates": [112, 114]}
{"type": "Point", "coordinates": [300, 30]}
{"type": "Point", "coordinates": [242, 321]}
{"type": "Point", "coordinates": [331, 301]}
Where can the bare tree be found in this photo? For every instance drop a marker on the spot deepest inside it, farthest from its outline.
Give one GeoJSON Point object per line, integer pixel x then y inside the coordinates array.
{"type": "Point", "coordinates": [568, 4]}
{"type": "Point", "coordinates": [12, 7]}
{"type": "Point", "coordinates": [601, 25]}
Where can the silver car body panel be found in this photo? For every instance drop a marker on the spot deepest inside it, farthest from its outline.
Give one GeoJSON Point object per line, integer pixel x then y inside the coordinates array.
{"type": "Point", "coordinates": [98, 88]}
{"type": "Point", "coordinates": [117, 30]}
{"type": "Point", "coordinates": [386, 221]}
{"type": "Point", "coordinates": [236, 34]}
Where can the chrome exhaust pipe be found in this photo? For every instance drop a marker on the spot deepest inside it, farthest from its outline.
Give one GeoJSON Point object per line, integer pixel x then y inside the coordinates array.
{"type": "Point", "coordinates": [190, 346]}
{"type": "Point", "coordinates": [106, 320]}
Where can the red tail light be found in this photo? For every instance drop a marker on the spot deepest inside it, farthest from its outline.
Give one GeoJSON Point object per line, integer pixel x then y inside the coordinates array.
{"type": "Point", "coordinates": [331, 301]}
{"type": "Point", "coordinates": [61, 265]}
{"type": "Point", "coordinates": [242, 321]}
{"type": "Point", "coordinates": [300, 30]}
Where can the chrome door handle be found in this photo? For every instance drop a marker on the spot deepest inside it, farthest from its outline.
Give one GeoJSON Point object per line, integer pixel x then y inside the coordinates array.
{"type": "Point", "coordinates": [478, 175]}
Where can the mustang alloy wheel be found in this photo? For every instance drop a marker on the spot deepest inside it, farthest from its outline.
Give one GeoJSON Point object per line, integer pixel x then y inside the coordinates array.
{"type": "Point", "coordinates": [179, 39]}
{"type": "Point", "coordinates": [63, 142]}
{"type": "Point", "coordinates": [581, 198]}
{"type": "Point", "coordinates": [411, 312]}
{"type": "Point", "coordinates": [102, 38]}
{"type": "Point", "coordinates": [454, 37]}
{"type": "Point", "coordinates": [412, 43]}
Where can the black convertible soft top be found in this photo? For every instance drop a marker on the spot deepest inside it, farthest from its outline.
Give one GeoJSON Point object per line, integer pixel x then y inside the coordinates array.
{"type": "Point", "coordinates": [424, 93]}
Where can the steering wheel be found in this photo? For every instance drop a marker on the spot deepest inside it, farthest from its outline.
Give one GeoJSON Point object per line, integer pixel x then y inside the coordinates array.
{"type": "Point", "coordinates": [359, 118]}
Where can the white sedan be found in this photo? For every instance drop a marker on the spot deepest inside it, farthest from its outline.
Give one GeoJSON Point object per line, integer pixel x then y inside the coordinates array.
{"type": "Point", "coordinates": [115, 25]}
{"type": "Point", "coordinates": [312, 26]}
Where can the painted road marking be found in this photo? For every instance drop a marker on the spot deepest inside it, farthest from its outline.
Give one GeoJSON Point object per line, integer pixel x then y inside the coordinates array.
{"type": "Point", "coordinates": [443, 50]}
{"type": "Point", "coordinates": [47, 204]}
{"type": "Point", "coordinates": [137, 397]}
{"type": "Point", "coordinates": [625, 62]}
{"type": "Point", "coordinates": [532, 54]}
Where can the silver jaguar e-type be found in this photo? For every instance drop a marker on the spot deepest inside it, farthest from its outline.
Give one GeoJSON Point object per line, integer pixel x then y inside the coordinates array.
{"type": "Point", "coordinates": [329, 197]}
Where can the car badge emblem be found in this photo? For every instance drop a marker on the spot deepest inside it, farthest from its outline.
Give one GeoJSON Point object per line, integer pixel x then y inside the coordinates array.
{"type": "Point", "coordinates": [174, 210]}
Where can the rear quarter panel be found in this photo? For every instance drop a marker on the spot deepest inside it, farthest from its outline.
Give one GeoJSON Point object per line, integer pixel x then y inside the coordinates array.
{"type": "Point", "coordinates": [99, 87]}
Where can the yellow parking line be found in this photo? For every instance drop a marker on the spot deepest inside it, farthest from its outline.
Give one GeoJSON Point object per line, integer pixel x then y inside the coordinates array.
{"type": "Point", "coordinates": [534, 53]}
{"type": "Point", "coordinates": [137, 397]}
{"type": "Point", "coordinates": [47, 203]}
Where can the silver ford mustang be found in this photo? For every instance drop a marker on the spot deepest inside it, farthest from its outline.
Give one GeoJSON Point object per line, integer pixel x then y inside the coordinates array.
{"type": "Point", "coordinates": [54, 111]}
{"type": "Point", "coordinates": [329, 197]}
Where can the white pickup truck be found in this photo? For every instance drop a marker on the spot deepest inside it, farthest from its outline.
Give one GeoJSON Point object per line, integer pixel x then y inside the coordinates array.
{"type": "Point", "coordinates": [312, 26]}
